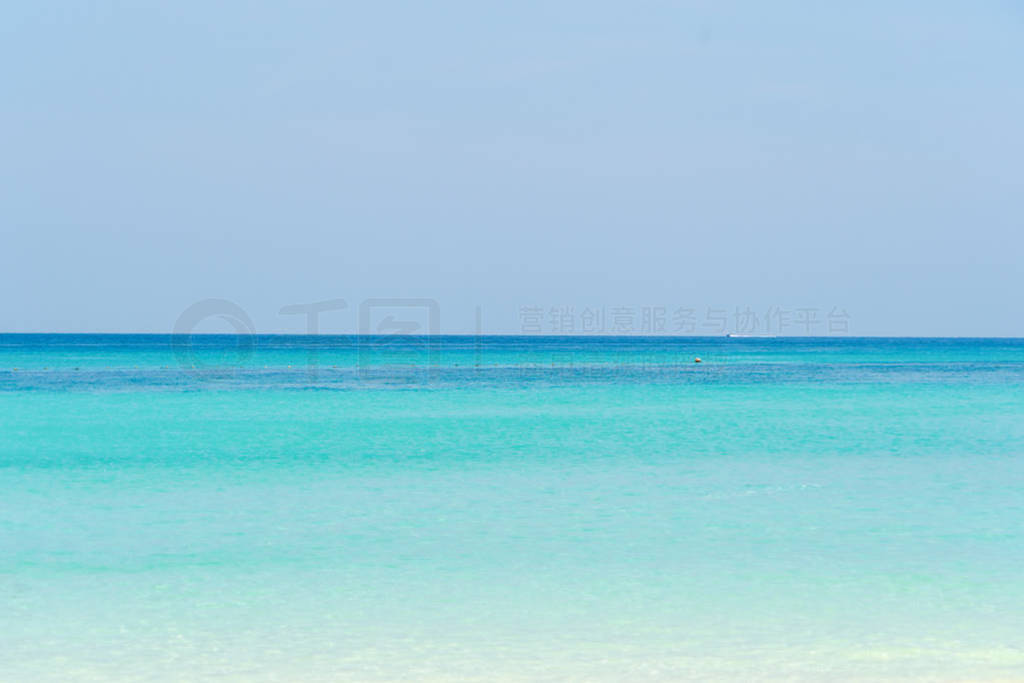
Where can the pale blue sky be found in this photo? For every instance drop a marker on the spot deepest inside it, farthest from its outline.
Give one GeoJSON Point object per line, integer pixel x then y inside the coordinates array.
{"type": "Point", "coordinates": [705, 154]}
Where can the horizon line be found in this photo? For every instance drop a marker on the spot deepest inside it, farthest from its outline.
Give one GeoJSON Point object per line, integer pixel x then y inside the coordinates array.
{"type": "Point", "coordinates": [736, 336]}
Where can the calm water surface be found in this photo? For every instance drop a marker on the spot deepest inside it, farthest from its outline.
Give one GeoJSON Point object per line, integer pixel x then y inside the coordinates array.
{"type": "Point", "coordinates": [342, 508]}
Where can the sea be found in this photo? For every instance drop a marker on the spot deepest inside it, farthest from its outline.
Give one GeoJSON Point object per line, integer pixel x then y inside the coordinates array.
{"type": "Point", "coordinates": [459, 508]}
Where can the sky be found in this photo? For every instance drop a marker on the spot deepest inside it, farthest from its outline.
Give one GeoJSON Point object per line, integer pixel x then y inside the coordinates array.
{"type": "Point", "coordinates": [527, 160]}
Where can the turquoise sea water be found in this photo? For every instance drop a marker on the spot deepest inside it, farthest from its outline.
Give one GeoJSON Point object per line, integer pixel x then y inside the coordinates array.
{"type": "Point", "coordinates": [508, 508]}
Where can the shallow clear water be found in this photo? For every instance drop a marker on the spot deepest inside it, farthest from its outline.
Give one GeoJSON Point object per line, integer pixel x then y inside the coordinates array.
{"type": "Point", "coordinates": [323, 508]}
